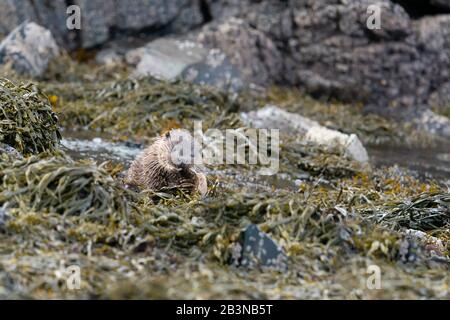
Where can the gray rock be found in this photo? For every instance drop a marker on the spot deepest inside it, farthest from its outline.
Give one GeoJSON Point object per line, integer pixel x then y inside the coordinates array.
{"type": "Point", "coordinates": [433, 35]}
{"type": "Point", "coordinates": [4, 215]}
{"type": "Point", "coordinates": [433, 123]}
{"type": "Point", "coordinates": [325, 48]}
{"type": "Point", "coordinates": [169, 59]}
{"type": "Point", "coordinates": [101, 20]}
{"type": "Point", "coordinates": [256, 249]}
{"type": "Point", "coordinates": [9, 153]}
{"type": "Point", "coordinates": [251, 50]}
{"type": "Point", "coordinates": [13, 13]}
{"type": "Point", "coordinates": [50, 14]}
{"type": "Point", "coordinates": [440, 99]}
{"type": "Point", "coordinates": [109, 57]}
{"type": "Point", "coordinates": [29, 49]}
{"type": "Point", "coordinates": [272, 117]}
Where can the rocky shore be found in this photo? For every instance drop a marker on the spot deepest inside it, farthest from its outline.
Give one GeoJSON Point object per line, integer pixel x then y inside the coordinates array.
{"type": "Point", "coordinates": [76, 107]}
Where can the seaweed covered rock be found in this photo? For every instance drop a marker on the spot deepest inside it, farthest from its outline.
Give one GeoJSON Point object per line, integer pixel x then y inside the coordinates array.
{"type": "Point", "coordinates": [61, 185]}
{"type": "Point", "coordinates": [29, 49]}
{"type": "Point", "coordinates": [27, 122]}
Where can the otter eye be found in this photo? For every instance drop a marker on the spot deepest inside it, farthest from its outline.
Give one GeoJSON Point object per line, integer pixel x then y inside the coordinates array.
{"type": "Point", "coordinates": [168, 134]}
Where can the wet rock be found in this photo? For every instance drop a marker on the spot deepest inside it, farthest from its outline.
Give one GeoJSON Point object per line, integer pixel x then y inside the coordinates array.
{"type": "Point", "coordinates": [257, 249]}
{"type": "Point", "coordinates": [272, 117]}
{"type": "Point", "coordinates": [169, 59]}
{"type": "Point", "coordinates": [29, 49]}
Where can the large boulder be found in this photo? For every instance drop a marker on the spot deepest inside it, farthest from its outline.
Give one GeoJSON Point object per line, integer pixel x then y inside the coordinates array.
{"type": "Point", "coordinates": [326, 48]}
{"type": "Point", "coordinates": [170, 59]}
{"type": "Point", "coordinates": [29, 49]}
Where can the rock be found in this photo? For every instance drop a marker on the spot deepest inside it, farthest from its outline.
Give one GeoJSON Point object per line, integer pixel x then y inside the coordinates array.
{"type": "Point", "coordinates": [440, 99]}
{"type": "Point", "coordinates": [409, 250]}
{"type": "Point", "coordinates": [169, 59]}
{"type": "Point", "coordinates": [29, 49]}
{"type": "Point", "coordinates": [13, 13]}
{"type": "Point", "coordinates": [109, 57]}
{"type": "Point", "coordinates": [251, 50]}
{"type": "Point", "coordinates": [50, 14]}
{"type": "Point", "coordinates": [272, 117]}
{"type": "Point", "coordinates": [349, 145]}
{"type": "Point", "coordinates": [325, 48]}
{"type": "Point", "coordinates": [4, 216]}
{"type": "Point", "coordinates": [257, 249]}
{"type": "Point", "coordinates": [9, 153]}
{"type": "Point", "coordinates": [434, 38]}
{"type": "Point", "coordinates": [432, 244]}
{"type": "Point", "coordinates": [433, 123]}
{"type": "Point", "coordinates": [102, 20]}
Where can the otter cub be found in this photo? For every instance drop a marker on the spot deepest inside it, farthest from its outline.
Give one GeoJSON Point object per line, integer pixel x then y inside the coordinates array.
{"type": "Point", "coordinates": [168, 164]}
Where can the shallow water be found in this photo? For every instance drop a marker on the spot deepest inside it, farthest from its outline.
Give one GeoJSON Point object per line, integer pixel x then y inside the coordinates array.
{"type": "Point", "coordinates": [430, 163]}
{"type": "Point", "coordinates": [97, 147]}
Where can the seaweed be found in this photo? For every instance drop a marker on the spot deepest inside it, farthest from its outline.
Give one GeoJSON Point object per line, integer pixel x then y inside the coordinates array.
{"type": "Point", "coordinates": [58, 184]}
{"type": "Point", "coordinates": [27, 122]}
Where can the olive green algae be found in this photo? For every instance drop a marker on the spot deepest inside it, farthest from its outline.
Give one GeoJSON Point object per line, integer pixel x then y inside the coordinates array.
{"type": "Point", "coordinates": [335, 221]}
{"type": "Point", "coordinates": [27, 121]}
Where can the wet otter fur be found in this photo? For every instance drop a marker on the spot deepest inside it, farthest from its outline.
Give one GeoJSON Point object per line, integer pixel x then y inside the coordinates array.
{"type": "Point", "coordinates": [159, 168]}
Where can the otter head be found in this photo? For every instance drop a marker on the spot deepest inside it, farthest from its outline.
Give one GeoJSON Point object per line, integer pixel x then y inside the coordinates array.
{"type": "Point", "coordinates": [184, 150]}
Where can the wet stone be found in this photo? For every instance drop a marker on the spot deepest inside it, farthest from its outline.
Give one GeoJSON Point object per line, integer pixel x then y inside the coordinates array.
{"type": "Point", "coordinates": [256, 249]}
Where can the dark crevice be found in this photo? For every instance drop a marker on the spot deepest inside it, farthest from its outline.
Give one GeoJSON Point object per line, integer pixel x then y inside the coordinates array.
{"type": "Point", "coordinates": [421, 8]}
{"type": "Point", "coordinates": [205, 11]}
